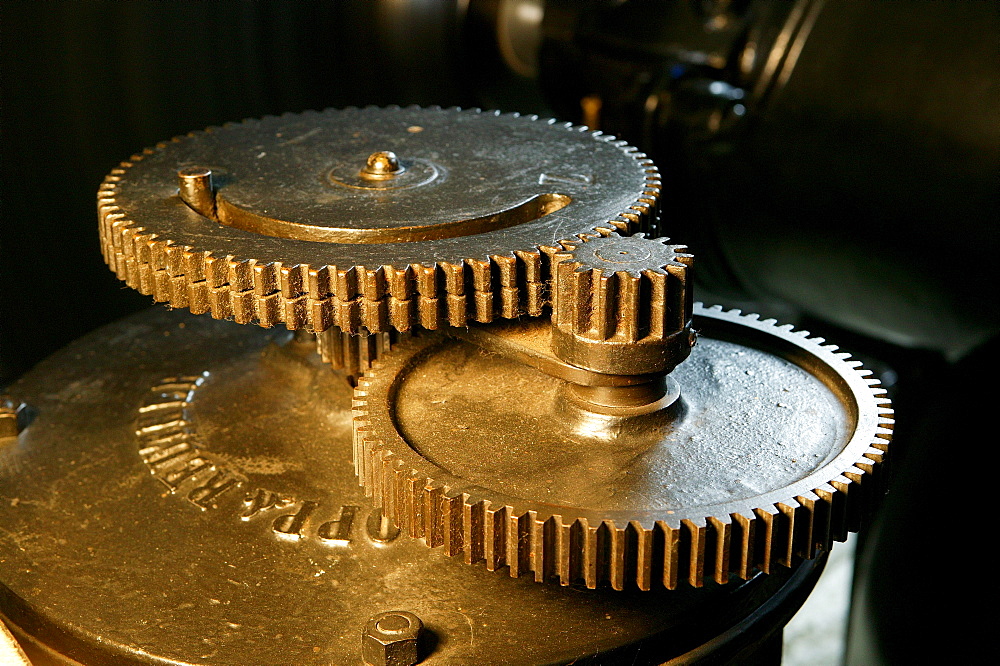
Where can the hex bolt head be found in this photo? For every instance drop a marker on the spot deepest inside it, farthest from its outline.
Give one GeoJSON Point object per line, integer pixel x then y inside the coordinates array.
{"type": "Point", "coordinates": [390, 639]}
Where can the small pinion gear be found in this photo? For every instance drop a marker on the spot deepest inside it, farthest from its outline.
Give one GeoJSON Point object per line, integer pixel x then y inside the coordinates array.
{"type": "Point", "coordinates": [622, 305]}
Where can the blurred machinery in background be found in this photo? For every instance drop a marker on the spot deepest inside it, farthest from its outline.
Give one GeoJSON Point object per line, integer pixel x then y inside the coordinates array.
{"type": "Point", "coordinates": [834, 164]}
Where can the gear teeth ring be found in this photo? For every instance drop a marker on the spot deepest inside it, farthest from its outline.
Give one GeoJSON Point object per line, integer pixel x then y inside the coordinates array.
{"type": "Point", "coordinates": [667, 552]}
{"type": "Point", "coordinates": [430, 293]}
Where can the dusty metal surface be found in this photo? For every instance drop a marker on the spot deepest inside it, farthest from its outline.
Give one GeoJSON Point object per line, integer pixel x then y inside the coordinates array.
{"type": "Point", "coordinates": [304, 220]}
{"type": "Point", "coordinates": [185, 494]}
{"type": "Point", "coordinates": [773, 452]}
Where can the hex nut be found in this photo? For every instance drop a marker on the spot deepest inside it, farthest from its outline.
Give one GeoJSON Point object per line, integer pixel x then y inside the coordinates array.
{"type": "Point", "coordinates": [390, 639]}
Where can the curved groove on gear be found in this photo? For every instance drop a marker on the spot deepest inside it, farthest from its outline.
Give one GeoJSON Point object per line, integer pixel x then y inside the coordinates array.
{"type": "Point", "coordinates": [429, 293]}
{"type": "Point", "coordinates": [527, 537]}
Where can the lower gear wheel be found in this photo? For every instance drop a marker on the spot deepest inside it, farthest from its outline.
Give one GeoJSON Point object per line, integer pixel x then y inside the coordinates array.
{"type": "Point", "coordinates": [773, 452]}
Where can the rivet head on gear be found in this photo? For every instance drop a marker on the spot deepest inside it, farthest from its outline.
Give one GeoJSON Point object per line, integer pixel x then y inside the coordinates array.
{"type": "Point", "coordinates": [454, 230]}
{"type": "Point", "coordinates": [381, 165]}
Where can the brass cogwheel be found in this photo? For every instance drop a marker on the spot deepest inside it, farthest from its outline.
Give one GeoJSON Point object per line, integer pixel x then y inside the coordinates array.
{"type": "Point", "coordinates": [774, 451]}
{"type": "Point", "coordinates": [622, 304]}
{"type": "Point", "coordinates": [374, 218]}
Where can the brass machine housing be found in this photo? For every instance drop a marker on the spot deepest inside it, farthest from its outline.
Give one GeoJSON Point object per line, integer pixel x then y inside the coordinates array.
{"type": "Point", "coordinates": [180, 489]}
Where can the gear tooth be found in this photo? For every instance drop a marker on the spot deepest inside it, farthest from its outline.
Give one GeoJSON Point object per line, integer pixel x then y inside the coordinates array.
{"type": "Point", "coordinates": [453, 521]}
{"type": "Point", "coordinates": [473, 529]}
{"type": "Point", "coordinates": [614, 556]}
{"type": "Point", "coordinates": [562, 556]}
{"type": "Point", "coordinates": [671, 537]}
{"type": "Point", "coordinates": [538, 550]}
{"type": "Point", "coordinates": [765, 536]}
{"type": "Point", "coordinates": [785, 546]}
{"type": "Point", "coordinates": [693, 551]}
{"type": "Point", "coordinates": [432, 498]}
{"type": "Point", "coordinates": [804, 544]}
{"type": "Point", "coordinates": [719, 547]}
{"type": "Point", "coordinates": [620, 224]}
{"type": "Point", "coordinates": [645, 556]}
{"type": "Point", "coordinates": [593, 539]}
{"type": "Point", "coordinates": [744, 539]}
{"type": "Point", "coordinates": [495, 549]}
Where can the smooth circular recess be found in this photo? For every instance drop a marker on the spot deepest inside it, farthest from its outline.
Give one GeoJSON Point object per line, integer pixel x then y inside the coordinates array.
{"type": "Point", "coordinates": [749, 423]}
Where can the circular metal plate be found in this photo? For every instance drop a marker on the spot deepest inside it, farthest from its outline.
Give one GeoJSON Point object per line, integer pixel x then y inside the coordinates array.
{"type": "Point", "coordinates": [185, 494]}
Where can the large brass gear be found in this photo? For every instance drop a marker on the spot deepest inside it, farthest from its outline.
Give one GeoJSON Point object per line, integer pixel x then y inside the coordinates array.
{"type": "Point", "coordinates": [313, 221]}
{"type": "Point", "coordinates": [775, 451]}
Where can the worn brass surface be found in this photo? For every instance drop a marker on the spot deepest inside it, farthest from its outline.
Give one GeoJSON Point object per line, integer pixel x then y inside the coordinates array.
{"type": "Point", "coordinates": [185, 494]}
{"type": "Point", "coordinates": [279, 220]}
{"type": "Point", "coordinates": [530, 342]}
{"type": "Point", "coordinates": [773, 452]}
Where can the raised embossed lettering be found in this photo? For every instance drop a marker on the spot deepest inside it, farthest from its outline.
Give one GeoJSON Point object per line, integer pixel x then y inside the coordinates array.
{"type": "Point", "coordinates": [188, 469]}
{"type": "Point", "coordinates": [171, 449]}
{"type": "Point", "coordinates": [338, 532]}
{"type": "Point", "coordinates": [204, 495]}
{"type": "Point", "coordinates": [261, 500]}
{"type": "Point", "coordinates": [290, 526]}
{"type": "Point", "coordinates": [162, 457]}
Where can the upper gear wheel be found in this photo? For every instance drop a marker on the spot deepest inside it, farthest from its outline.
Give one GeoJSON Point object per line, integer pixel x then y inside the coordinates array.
{"type": "Point", "coordinates": [374, 218]}
{"type": "Point", "coordinates": [775, 450]}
